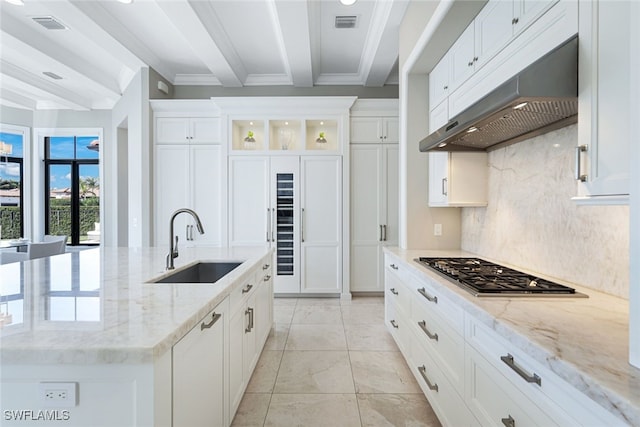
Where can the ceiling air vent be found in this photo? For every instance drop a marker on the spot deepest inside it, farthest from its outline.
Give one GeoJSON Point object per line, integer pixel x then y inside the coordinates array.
{"type": "Point", "coordinates": [50, 23]}
{"type": "Point", "coordinates": [346, 21]}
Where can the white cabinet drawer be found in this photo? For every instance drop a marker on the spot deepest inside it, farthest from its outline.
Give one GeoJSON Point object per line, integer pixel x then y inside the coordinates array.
{"type": "Point", "coordinates": [440, 306]}
{"type": "Point", "coordinates": [444, 344]}
{"type": "Point", "coordinates": [442, 395]}
{"type": "Point", "coordinates": [496, 402]}
{"type": "Point", "coordinates": [538, 383]}
{"type": "Point", "coordinates": [240, 293]}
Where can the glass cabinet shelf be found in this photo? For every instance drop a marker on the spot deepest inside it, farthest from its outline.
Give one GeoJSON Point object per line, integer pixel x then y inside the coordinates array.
{"type": "Point", "coordinates": [285, 135]}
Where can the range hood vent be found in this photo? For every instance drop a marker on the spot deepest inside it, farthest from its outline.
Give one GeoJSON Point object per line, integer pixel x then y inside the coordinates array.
{"type": "Point", "coordinates": [541, 98]}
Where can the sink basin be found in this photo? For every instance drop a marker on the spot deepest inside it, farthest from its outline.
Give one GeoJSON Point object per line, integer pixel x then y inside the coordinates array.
{"type": "Point", "coordinates": [202, 272]}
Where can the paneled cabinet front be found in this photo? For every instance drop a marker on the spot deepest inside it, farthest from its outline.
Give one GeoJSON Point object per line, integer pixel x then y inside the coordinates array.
{"type": "Point", "coordinates": [189, 176]}
{"type": "Point", "coordinates": [374, 212]}
{"type": "Point", "coordinates": [367, 130]}
{"type": "Point", "coordinates": [458, 179]}
{"type": "Point", "coordinates": [196, 130]}
{"type": "Point", "coordinates": [293, 204]}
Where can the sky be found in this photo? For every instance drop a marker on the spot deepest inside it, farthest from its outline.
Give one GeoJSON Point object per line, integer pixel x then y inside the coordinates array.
{"type": "Point", "coordinates": [11, 171]}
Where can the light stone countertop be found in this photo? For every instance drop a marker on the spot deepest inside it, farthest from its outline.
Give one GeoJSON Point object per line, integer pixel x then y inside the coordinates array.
{"type": "Point", "coordinates": [93, 306]}
{"type": "Point", "coordinates": [585, 341]}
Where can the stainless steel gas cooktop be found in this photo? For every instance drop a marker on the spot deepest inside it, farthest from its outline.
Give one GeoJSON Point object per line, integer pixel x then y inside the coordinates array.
{"type": "Point", "coordinates": [485, 279]}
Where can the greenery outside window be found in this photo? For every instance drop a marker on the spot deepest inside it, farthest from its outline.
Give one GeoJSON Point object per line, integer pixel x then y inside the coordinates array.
{"type": "Point", "coordinates": [11, 183]}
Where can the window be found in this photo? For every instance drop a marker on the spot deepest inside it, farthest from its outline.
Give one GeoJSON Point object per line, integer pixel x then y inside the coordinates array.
{"type": "Point", "coordinates": [72, 180]}
{"type": "Point", "coordinates": [12, 145]}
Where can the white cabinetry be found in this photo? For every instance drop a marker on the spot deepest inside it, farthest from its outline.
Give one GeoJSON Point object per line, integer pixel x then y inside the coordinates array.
{"type": "Point", "coordinates": [366, 130]}
{"type": "Point", "coordinates": [374, 212]}
{"type": "Point", "coordinates": [198, 372]}
{"type": "Point", "coordinates": [439, 82]}
{"type": "Point", "coordinates": [462, 58]}
{"type": "Point", "coordinates": [294, 204]}
{"type": "Point", "coordinates": [251, 320]}
{"type": "Point", "coordinates": [457, 179]}
{"type": "Point", "coordinates": [174, 130]}
{"type": "Point", "coordinates": [604, 123]}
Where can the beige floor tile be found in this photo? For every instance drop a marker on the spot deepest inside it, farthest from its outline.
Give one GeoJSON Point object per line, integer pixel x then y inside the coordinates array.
{"type": "Point", "coordinates": [369, 337]}
{"type": "Point", "coordinates": [396, 410]}
{"type": "Point", "coordinates": [318, 301]}
{"type": "Point", "coordinates": [283, 314]}
{"type": "Point", "coordinates": [311, 410]}
{"type": "Point", "coordinates": [264, 376]}
{"type": "Point", "coordinates": [315, 372]}
{"type": "Point", "coordinates": [277, 337]}
{"type": "Point", "coordinates": [316, 337]}
{"type": "Point", "coordinates": [356, 300]}
{"type": "Point", "coordinates": [252, 410]}
{"type": "Point", "coordinates": [363, 314]}
{"type": "Point", "coordinates": [382, 372]}
{"type": "Point", "coordinates": [317, 314]}
{"type": "Point", "coordinates": [285, 302]}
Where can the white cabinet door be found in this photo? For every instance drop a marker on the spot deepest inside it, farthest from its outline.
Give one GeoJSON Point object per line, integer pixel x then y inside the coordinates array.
{"type": "Point", "coordinates": [321, 224]}
{"type": "Point", "coordinates": [604, 123]}
{"type": "Point", "coordinates": [236, 363]}
{"type": "Point", "coordinates": [206, 194]}
{"type": "Point", "coordinates": [264, 304]}
{"type": "Point", "coordinates": [248, 201]}
{"type": "Point", "coordinates": [439, 116]}
{"type": "Point", "coordinates": [365, 130]}
{"type": "Point", "coordinates": [439, 82]}
{"type": "Point", "coordinates": [204, 129]}
{"type": "Point", "coordinates": [527, 11]}
{"type": "Point", "coordinates": [198, 373]}
{"type": "Point", "coordinates": [438, 177]}
{"type": "Point", "coordinates": [493, 29]}
{"type": "Point", "coordinates": [391, 183]}
{"type": "Point", "coordinates": [171, 191]}
{"type": "Point", "coordinates": [172, 130]}
{"type": "Point", "coordinates": [367, 188]}
{"type": "Point", "coordinates": [461, 57]}
{"type": "Point", "coordinates": [458, 179]}
{"type": "Point", "coordinates": [390, 130]}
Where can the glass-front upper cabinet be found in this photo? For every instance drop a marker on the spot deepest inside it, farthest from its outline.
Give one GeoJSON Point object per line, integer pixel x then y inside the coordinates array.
{"type": "Point", "coordinates": [284, 135]}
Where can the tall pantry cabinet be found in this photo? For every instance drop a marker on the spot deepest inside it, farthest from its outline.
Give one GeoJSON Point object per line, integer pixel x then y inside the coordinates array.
{"type": "Point", "coordinates": [189, 172]}
{"type": "Point", "coordinates": [374, 190]}
{"type": "Point", "coordinates": [286, 186]}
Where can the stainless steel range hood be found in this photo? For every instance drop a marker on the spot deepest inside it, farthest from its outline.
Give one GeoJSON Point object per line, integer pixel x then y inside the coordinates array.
{"type": "Point", "coordinates": [541, 98]}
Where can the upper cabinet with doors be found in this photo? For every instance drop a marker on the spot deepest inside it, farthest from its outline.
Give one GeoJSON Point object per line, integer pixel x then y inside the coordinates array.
{"type": "Point", "coordinates": [604, 124]}
{"type": "Point", "coordinates": [189, 172]}
{"type": "Point", "coordinates": [286, 186]}
{"type": "Point", "coordinates": [374, 192]}
{"type": "Point", "coordinates": [365, 130]}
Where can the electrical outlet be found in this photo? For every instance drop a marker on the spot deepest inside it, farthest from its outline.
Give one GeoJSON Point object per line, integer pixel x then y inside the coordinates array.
{"type": "Point", "coordinates": [437, 229]}
{"type": "Point", "coordinates": [58, 395]}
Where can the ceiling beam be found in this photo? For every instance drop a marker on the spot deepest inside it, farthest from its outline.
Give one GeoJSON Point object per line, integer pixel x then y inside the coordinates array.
{"type": "Point", "coordinates": [22, 41]}
{"type": "Point", "coordinates": [186, 19]}
{"type": "Point", "coordinates": [56, 92]}
{"type": "Point", "coordinates": [15, 99]}
{"type": "Point", "coordinates": [291, 24]}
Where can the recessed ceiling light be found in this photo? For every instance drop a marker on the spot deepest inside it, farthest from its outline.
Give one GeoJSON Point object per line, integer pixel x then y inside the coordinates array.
{"type": "Point", "coordinates": [472, 129]}
{"type": "Point", "coordinates": [16, 2]}
{"type": "Point", "coordinates": [126, 1]}
{"type": "Point", "coordinates": [442, 144]}
{"type": "Point", "coordinates": [52, 75]}
{"type": "Point", "coordinates": [521, 105]}
{"type": "Point", "coordinates": [347, 2]}
{"type": "Point", "coordinates": [49, 22]}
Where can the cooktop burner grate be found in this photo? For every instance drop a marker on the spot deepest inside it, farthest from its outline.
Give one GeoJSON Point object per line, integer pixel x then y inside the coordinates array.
{"type": "Point", "coordinates": [484, 278]}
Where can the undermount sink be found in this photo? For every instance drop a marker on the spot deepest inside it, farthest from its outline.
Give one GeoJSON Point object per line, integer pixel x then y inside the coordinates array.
{"type": "Point", "coordinates": [202, 272]}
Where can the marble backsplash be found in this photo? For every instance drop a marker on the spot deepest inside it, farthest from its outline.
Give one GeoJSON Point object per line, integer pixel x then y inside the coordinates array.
{"type": "Point", "coordinates": [531, 222]}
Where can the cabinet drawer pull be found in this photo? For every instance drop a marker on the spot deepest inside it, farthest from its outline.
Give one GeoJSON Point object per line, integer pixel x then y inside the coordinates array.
{"type": "Point", "coordinates": [509, 421]}
{"type": "Point", "coordinates": [266, 266]}
{"type": "Point", "coordinates": [393, 291]}
{"type": "Point", "coordinates": [395, 267]}
{"type": "Point", "coordinates": [384, 229]}
{"type": "Point", "coordinates": [423, 292]}
{"type": "Point", "coordinates": [250, 313]}
{"type": "Point", "coordinates": [268, 224]}
{"type": "Point", "coordinates": [214, 319]}
{"type": "Point", "coordinates": [247, 289]}
{"type": "Point", "coordinates": [394, 324]}
{"type": "Point", "coordinates": [423, 326]}
{"type": "Point", "coordinates": [579, 175]}
{"type": "Point", "coordinates": [423, 372]}
{"type": "Point", "coordinates": [267, 278]}
{"type": "Point", "coordinates": [508, 360]}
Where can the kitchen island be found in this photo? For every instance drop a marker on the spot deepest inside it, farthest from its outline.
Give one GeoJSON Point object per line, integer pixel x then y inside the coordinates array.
{"type": "Point", "coordinates": [92, 320]}
{"type": "Point", "coordinates": [568, 356]}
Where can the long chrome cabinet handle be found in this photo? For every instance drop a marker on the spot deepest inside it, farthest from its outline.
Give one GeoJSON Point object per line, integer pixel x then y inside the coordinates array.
{"type": "Point", "coordinates": [273, 225]}
{"type": "Point", "coordinates": [384, 228]}
{"type": "Point", "coordinates": [423, 326]}
{"type": "Point", "coordinates": [423, 372]}
{"type": "Point", "coordinates": [380, 239]}
{"type": "Point", "coordinates": [424, 293]}
{"type": "Point", "coordinates": [444, 186]}
{"type": "Point", "coordinates": [186, 233]}
{"type": "Point", "coordinates": [250, 313]}
{"type": "Point", "coordinates": [509, 421]}
{"type": "Point", "coordinates": [508, 360]}
{"type": "Point", "coordinates": [579, 175]}
{"type": "Point", "coordinates": [214, 319]}
{"type": "Point", "coordinates": [302, 225]}
{"type": "Point", "coordinates": [394, 324]}
{"type": "Point", "coordinates": [268, 224]}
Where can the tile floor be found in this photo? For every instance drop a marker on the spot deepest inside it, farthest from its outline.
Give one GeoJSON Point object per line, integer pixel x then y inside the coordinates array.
{"type": "Point", "coordinates": [332, 364]}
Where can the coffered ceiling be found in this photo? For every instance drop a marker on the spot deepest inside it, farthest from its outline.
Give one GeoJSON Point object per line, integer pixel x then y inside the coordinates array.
{"type": "Point", "coordinates": [99, 45]}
